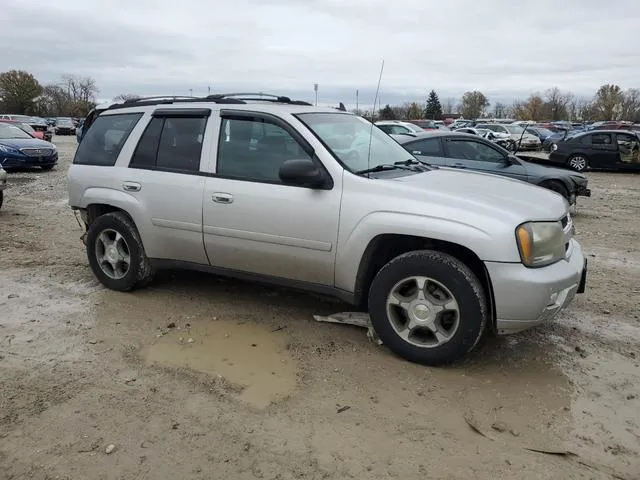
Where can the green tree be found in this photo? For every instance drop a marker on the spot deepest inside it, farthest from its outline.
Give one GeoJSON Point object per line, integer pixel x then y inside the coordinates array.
{"type": "Point", "coordinates": [434, 108]}
{"type": "Point", "coordinates": [18, 91]}
{"type": "Point", "coordinates": [473, 104]}
{"type": "Point", "coordinates": [414, 112]}
{"type": "Point", "coordinates": [387, 113]}
{"type": "Point", "coordinates": [608, 101]}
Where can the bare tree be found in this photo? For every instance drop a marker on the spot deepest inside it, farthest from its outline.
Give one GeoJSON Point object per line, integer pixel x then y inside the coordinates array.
{"type": "Point", "coordinates": [499, 110]}
{"type": "Point", "coordinates": [123, 97]}
{"type": "Point", "coordinates": [556, 103]}
{"type": "Point", "coordinates": [449, 106]}
{"type": "Point", "coordinates": [630, 105]}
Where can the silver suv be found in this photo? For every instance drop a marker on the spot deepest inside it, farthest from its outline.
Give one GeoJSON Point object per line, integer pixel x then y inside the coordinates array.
{"type": "Point", "coordinates": [276, 190]}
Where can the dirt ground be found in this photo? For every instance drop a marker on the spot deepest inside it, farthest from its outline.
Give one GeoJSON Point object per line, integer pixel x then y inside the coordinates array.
{"type": "Point", "coordinates": [198, 377]}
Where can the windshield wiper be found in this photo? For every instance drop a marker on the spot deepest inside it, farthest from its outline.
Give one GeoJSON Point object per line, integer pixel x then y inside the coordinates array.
{"type": "Point", "coordinates": [386, 166]}
{"type": "Point", "coordinates": [413, 161]}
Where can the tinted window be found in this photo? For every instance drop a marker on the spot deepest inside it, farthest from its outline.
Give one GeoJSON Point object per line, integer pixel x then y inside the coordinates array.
{"type": "Point", "coordinates": [102, 143]}
{"type": "Point", "coordinates": [601, 139]}
{"type": "Point", "coordinates": [147, 149]}
{"type": "Point", "coordinates": [255, 149]}
{"type": "Point", "coordinates": [470, 150]}
{"type": "Point", "coordinates": [181, 143]}
{"type": "Point", "coordinates": [430, 147]}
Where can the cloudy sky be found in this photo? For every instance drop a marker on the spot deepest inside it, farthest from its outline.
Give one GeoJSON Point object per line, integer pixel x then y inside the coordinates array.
{"type": "Point", "coordinates": [503, 48]}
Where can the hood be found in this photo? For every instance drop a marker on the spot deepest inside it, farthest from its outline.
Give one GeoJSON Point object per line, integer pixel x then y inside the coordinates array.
{"type": "Point", "coordinates": [19, 143]}
{"type": "Point", "coordinates": [486, 194]}
{"type": "Point", "coordinates": [536, 170]}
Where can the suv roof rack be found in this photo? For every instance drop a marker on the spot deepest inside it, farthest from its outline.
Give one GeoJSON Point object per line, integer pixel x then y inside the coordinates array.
{"type": "Point", "coordinates": [222, 98]}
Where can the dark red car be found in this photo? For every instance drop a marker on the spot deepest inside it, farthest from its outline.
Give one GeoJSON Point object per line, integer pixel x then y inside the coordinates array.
{"type": "Point", "coordinates": [25, 127]}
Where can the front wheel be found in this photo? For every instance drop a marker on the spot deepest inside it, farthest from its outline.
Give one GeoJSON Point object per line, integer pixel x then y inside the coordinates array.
{"type": "Point", "coordinates": [579, 163]}
{"type": "Point", "coordinates": [428, 307]}
{"type": "Point", "coordinates": [116, 254]}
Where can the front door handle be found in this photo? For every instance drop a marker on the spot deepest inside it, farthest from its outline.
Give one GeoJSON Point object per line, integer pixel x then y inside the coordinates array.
{"type": "Point", "coordinates": [224, 198]}
{"type": "Point", "coordinates": [131, 186]}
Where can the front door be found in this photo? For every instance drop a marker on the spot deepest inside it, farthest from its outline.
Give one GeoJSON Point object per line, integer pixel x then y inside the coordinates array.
{"type": "Point", "coordinates": [251, 221]}
{"type": "Point", "coordinates": [477, 155]}
{"type": "Point", "coordinates": [628, 150]}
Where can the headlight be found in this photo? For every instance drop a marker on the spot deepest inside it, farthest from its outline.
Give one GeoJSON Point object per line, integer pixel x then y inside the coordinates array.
{"type": "Point", "coordinates": [540, 243]}
{"type": "Point", "coordinates": [554, 147]}
{"type": "Point", "coordinates": [5, 149]}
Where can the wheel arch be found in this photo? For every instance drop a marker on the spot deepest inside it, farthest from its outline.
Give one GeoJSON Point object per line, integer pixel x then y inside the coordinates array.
{"type": "Point", "coordinates": [384, 247]}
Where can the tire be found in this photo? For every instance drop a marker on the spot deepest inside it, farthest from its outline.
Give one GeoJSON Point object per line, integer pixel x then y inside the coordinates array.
{"type": "Point", "coordinates": [464, 326]}
{"type": "Point", "coordinates": [578, 162]}
{"type": "Point", "coordinates": [46, 168]}
{"type": "Point", "coordinates": [1, 198]}
{"type": "Point", "coordinates": [118, 231]}
{"type": "Point", "coordinates": [558, 187]}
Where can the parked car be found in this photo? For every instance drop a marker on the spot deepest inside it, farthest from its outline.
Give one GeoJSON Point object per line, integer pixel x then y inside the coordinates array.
{"type": "Point", "coordinates": [540, 132]}
{"type": "Point", "coordinates": [425, 124]}
{"type": "Point", "coordinates": [23, 126]}
{"type": "Point", "coordinates": [321, 199]}
{"type": "Point", "coordinates": [471, 152]}
{"type": "Point", "coordinates": [65, 126]}
{"type": "Point", "coordinates": [599, 149]}
{"type": "Point", "coordinates": [20, 149]}
{"type": "Point", "coordinates": [3, 183]}
{"type": "Point", "coordinates": [397, 127]}
{"type": "Point", "coordinates": [36, 123]}
{"type": "Point", "coordinates": [502, 139]}
{"type": "Point", "coordinates": [524, 141]}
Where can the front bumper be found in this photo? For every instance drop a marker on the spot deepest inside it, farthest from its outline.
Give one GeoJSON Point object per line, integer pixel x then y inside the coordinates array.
{"type": "Point", "coordinates": [17, 161]}
{"type": "Point", "coordinates": [527, 297]}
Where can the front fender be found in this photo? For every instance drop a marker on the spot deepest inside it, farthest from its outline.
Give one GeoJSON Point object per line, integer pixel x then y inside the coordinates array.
{"type": "Point", "coordinates": [486, 244]}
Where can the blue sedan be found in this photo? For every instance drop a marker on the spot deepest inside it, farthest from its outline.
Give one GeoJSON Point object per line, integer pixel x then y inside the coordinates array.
{"type": "Point", "coordinates": [19, 149]}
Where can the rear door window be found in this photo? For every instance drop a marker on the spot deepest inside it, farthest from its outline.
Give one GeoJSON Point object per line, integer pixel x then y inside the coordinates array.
{"type": "Point", "coordinates": [431, 147]}
{"type": "Point", "coordinates": [103, 142]}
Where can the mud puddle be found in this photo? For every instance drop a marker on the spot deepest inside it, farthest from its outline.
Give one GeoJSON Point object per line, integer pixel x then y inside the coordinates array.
{"type": "Point", "coordinates": [247, 355]}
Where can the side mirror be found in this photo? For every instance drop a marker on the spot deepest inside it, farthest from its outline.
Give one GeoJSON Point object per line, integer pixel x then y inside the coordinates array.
{"type": "Point", "coordinates": [302, 172]}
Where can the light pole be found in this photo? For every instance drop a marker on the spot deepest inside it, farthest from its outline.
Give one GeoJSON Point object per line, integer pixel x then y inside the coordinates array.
{"type": "Point", "coordinates": [357, 104]}
{"type": "Point", "coordinates": [191, 92]}
{"type": "Point", "coordinates": [315, 89]}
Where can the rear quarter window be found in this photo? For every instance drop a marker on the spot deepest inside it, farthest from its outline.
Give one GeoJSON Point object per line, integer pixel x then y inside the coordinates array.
{"type": "Point", "coordinates": [102, 142]}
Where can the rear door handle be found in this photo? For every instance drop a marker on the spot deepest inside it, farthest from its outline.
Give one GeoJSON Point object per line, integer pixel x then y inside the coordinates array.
{"type": "Point", "coordinates": [131, 186]}
{"type": "Point", "coordinates": [224, 198]}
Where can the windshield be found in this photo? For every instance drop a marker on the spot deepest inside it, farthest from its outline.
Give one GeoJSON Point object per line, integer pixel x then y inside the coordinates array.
{"type": "Point", "coordinates": [514, 129]}
{"type": "Point", "coordinates": [348, 138]}
{"type": "Point", "coordinates": [11, 131]}
{"type": "Point", "coordinates": [26, 127]}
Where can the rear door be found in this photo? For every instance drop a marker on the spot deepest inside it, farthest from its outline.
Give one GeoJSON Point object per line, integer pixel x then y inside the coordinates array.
{"type": "Point", "coordinates": [164, 176]}
{"type": "Point", "coordinates": [481, 156]}
{"type": "Point", "coordinates": [428, 149]}
{"type": "Point", "coordinates": [603, 152]}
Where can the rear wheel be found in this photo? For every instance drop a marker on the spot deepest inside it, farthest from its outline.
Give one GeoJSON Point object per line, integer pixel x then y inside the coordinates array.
{"type": "Point", "coordinates": [428, 307]}
{"type": "Point", "coordinates": [578, 162]}
{"type": "Point", "coordinates": [116, 254]}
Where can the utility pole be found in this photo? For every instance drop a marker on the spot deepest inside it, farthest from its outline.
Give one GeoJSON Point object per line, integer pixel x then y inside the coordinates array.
{"type": "Point", "coordinates": [357, 104]}
{"type": "Point", "coordinates": [209, 90]}
{"type": "Point", "coordinates": [191, 92]}
{"type": "Point", "coordinates": [315, 89]}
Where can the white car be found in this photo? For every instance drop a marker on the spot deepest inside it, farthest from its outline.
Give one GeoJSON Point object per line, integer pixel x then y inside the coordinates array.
{"type": "Point", "coordinates": [526, 141]}
{"type": "Point", "coordinates": [316, 198]}
{"type": "Point", "coordinates": [397, 127]}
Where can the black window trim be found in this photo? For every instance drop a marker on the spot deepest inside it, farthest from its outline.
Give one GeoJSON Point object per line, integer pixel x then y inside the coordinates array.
{"type": "Point", "coordinates": [287, 127]}
{"type": "Point", "coordinates": [181, 112]}
{"type": "Point", "coordinates": [156, 168]}
{"type": "Point", "coordinates": [125, 140]}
